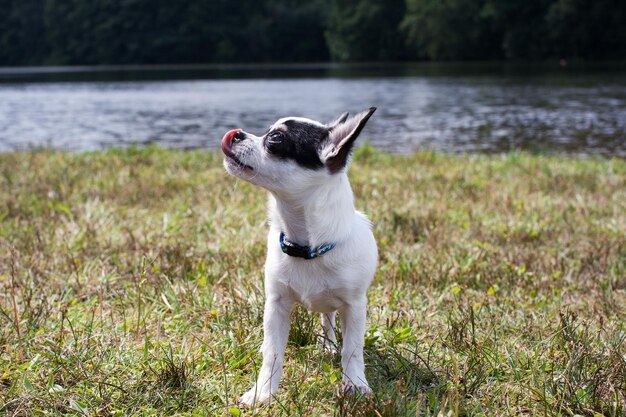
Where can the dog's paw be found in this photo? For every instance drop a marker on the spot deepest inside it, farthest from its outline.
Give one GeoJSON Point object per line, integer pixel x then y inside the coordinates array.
{"type": "Point", "coordinates": [349, 388]}
{"type": "Point", "coordinates": [253, 397]}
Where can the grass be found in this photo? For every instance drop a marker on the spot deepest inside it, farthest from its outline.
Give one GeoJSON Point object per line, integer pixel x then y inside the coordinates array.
{"type": "Point", "coordinates": [131, 285]}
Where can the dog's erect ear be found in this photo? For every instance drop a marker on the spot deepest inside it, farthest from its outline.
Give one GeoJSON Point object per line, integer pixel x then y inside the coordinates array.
{"type": "Point", "coordinates": [339, 120]}
{"type": "Point", "coordinates": [341, 137]}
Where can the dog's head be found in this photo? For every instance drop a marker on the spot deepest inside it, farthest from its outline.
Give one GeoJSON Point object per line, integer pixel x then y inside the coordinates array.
{"type": "Point", "coordinates": [294, 152]}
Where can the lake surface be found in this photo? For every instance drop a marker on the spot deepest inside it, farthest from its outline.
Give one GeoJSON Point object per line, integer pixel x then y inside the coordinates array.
{"type": "Point", "coordinates": [450, 107]}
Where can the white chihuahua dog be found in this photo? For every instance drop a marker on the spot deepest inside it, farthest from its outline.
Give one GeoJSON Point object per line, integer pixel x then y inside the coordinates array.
{"type": "Point", "coordinates": [321, 252]}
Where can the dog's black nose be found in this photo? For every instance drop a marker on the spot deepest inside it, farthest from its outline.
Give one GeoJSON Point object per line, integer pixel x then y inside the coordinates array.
{"type": "Point", "coordinates": [239, 136]}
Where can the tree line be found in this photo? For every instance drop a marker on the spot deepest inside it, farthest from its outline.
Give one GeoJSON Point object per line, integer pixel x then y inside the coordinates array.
{"type": "Point", "coordinates": [89, 32]}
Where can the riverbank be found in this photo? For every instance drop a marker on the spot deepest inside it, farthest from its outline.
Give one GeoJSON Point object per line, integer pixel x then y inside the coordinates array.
{"type": "Point", "coordinates": [131, 284]}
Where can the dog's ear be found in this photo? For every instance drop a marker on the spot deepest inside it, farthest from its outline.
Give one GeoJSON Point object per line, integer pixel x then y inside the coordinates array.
{"type": "Point", "coordinates": [341, 137]}
{"type": "Point", "coordinates": [339, 120]}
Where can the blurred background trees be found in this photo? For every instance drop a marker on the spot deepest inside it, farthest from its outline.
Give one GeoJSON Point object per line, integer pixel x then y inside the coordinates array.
{"type": "Point", "coordinates": [365, 30]}
{"type": "Point", "coordinates": [63, 32]}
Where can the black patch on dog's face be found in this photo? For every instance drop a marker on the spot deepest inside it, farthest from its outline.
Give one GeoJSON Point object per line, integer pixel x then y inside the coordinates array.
{"type": "Point", "coordinates": [298, 141]}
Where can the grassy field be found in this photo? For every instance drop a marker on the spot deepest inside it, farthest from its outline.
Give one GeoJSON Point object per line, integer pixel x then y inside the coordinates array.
{"type": "Point", "coordinates": [131, 284]}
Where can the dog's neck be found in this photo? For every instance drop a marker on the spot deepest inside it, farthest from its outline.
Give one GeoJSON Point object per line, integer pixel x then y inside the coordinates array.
{"type": "Point", "coordinates": [317, 215]}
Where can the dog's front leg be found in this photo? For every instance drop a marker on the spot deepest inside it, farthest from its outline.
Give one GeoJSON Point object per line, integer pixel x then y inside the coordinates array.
{"type": "Point", "coordinates": [353, 329]}
{"type": "Point", "coordinates": [276, 332]}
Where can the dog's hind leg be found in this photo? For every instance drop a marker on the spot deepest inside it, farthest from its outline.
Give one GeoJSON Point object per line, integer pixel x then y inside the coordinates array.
{"type": "Point", "coordinates": [353, 330]}
{"type": "Point", "coordinates": [276, 332]}
{"type": "Point", "coordinates": [328, 326]}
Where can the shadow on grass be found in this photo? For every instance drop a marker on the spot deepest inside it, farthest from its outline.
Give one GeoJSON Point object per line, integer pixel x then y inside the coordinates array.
{"type": "Point", "coordinates": [403, 384]}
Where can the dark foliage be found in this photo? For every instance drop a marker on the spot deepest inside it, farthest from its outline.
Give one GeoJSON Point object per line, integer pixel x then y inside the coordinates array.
{"type": "Point", "coordinates": [36, 32]}
{"type": "Point", "coordinates": [515, 29]}
{"type": "Point", "coordinates": [365, 30]}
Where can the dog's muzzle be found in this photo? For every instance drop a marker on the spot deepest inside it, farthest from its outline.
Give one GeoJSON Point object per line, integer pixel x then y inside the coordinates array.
{"type": "Point", "coordinates": [231, 137]}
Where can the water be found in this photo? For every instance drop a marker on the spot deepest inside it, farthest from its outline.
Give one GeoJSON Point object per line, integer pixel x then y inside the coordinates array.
{"type": "Point", "coordinates": [449, 107]}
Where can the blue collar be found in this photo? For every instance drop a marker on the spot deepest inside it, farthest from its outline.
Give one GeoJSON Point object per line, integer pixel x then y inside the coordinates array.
{"type": "Point", "coordinates": [299, 251]}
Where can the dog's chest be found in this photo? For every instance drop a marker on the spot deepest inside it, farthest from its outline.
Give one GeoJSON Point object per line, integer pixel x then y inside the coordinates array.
{"type": "Point", "coordinates": [317, 288]}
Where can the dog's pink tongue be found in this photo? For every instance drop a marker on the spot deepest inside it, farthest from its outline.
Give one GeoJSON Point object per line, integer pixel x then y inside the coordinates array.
{"type": "Point", "coordinates": [227, 140]}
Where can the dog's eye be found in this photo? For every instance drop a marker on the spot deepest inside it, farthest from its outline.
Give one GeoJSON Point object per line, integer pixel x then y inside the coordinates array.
{"type": "Point", "coordinates": [275, 137]}
{"type": "Point", "coordinates": [276, 144]}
